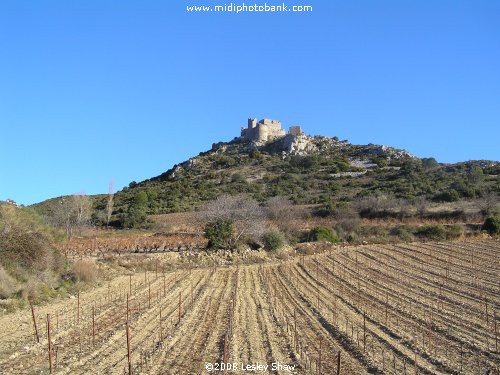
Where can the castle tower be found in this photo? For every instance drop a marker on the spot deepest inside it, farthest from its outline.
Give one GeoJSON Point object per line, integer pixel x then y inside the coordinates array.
{"type": "Point", "coordinates": [252, 123]}
{"type": "Point", "coordinates": [263, 133]}
{"type": "Point", "coordinates": [295, 130]}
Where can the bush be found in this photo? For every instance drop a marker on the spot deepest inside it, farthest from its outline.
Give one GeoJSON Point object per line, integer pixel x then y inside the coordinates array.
{"type": "Point", "coordinates": [338, 210]}
{"type": "Point", "coordinates": [432, 232]}
{"type": "Point", "coordinates": [27, 250]}
{"type": "Point", "coordinates": [492, 225]}
{"type": "Point", "coordinates": [230, 220]}
{"type": "Point", "coordinates": [136, 214]}
{"type": "Point", "coordinates": [273, 240]}
{"type": "Point", "coordinates": [85, 271]}
{"type": "Point", "coordinates": [324, 234]}
{"type": "Point", "coordinates": [219, 233]}
{"type": "Point", "coordinates": [448, 196]}
{"type": "Point", "coordinates": [352, 237]}
{"type": "Point", "coordinates": [453, 231]}
{"type": "Point", "coordinates": [308, 162]}
{"type": "Point", "coordinates": [28, 257]}
{"type": "Point", "coordinates": [284, 215]}
{"type": "Point", "coordinates": [238, 178]}
{"type": "Point", "coordinates": [404, 233]}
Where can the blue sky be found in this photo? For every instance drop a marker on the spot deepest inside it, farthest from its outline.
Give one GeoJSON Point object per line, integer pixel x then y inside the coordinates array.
{"type": "Point", "coordinates": [97, 90]}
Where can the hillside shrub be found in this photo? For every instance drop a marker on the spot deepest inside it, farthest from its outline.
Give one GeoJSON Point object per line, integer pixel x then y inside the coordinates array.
{"type": "Point", "coordinates": [453, 231]}
{"type": "Point", "coordinates": [492, 225]}
{"type": "Point", "coordinates": [284, 215]}
{"type": "Point", "coordinates": [136, 214]}
{"type": "Point", "coordinates": [307, 162]}
{"type": "Point", "coordinates": [238, 177]}
{"type": "Point", "coordinates": [403, 233]}
{"type": "Point", "coordinates": [232, 219]}
{"type": "Point", "coordinates": [448, 196]}
{"type": "Point", "coordinates": [29, 251]}
{"type": "Point", "coordinates": [352, 237]}
{"type": "Point", "coordinates": [28, 257]}
{"type": "Point", "coordinates": [432, 232]}
{"type": "Point", "coordinates": [219, 233]}
{"type": "Point", "coordinates": [338, 210]}
{"type": "Point", "coordinates": [273, 240]}
{"type": "Point", "coordinates": [324, 234]}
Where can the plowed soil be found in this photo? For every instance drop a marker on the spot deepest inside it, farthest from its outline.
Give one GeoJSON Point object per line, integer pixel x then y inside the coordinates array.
{"type": "Point", "coordinates": [383, 309]}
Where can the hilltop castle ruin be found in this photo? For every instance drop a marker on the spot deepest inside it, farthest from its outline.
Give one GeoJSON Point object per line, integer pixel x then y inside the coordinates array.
{"type": "Point", "coordinates": [266, 130]}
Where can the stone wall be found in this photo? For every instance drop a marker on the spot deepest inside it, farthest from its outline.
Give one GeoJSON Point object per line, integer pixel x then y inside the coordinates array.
{"type": "Point", "coordinates": [264, 131]}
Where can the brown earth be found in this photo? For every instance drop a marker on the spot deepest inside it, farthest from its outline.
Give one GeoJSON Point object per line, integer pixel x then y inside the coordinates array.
{"type": "Point", "coordinates": [426, 308]}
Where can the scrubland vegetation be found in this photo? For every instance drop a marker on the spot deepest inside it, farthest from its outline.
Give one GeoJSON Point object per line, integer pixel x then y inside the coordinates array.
{"type": "Point", "coordinates": [342, 260]}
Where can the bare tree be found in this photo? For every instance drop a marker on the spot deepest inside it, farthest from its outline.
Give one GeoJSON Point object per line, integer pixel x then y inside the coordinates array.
{"type": "Point", "coordinates": [489, 204]}
{"type": "Point", "coordinates": [83, 209]}
{"type": "Point", "coordinates": [109, 205]}
{"type": "Point", "coordinates": [71, 212]}
{"type": "Point", "coordinates": [63, 215]}
{"type": "Point", "coordinates": [245, 214]}
{"type": "Point", "coordinates": [374, 203]}
{"type": "Point", "coordinates": [421, 206]}
{"type": "Point", "coordinates": [283, 214]}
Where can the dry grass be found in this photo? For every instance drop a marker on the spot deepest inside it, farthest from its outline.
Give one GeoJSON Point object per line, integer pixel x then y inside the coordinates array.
{"type": "Point", "coordinates": [7, 284]}
{"type": "Point", "coordinates": [86, 271]}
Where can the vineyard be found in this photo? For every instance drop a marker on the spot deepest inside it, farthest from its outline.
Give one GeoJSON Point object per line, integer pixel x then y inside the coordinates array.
{"type": "Point", "coordinates": [417, 308]}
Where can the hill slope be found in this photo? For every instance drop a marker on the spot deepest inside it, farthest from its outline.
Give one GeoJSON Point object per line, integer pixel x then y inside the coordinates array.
{"type": "Point", "coordinates": [328, 170]}
{"type": "Point", "coordinates": [308, 170]}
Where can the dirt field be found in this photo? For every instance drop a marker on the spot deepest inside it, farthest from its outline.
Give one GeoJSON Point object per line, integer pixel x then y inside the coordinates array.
{"type": "Point", "coordinates": [387, 309]}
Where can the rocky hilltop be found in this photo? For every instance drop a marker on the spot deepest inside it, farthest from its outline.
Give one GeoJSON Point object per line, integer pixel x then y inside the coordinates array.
{"type": "Point", "coordinates": [266, 161]}
{"type": "Point", "coordinates": [269, 135]}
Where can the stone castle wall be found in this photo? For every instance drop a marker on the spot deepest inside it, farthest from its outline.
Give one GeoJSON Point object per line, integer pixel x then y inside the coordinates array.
{"type": "Point", "coordinates": [266, 130]}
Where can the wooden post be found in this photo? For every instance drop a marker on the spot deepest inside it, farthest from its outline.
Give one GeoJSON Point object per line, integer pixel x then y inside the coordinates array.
{"type": "Point", "coordinates": [34, 321]}
{"type": "Point", "coordinates": [225, 352]}
{"type": "Point", "coordinates": [161, 336]}
{"type": "Point", "coordinates": [128, 351]}
{"type": "Point", "coordinates": [49, 343]}
{"type": "Point", "coordinates": [386, 305]}
{"type": "Point", "coordinates": [319, 356]}
{"type": "Point", "coordinates": [164, 287]}
{"type": "Point", "coordinates": [295, 328]}
{"type": "Point", "coordinates": [364, 331]}
{"type": "Point", "coordinates": [495, 328]}
{"type": "Point", "coordinates": [179, 308]}
{"type": "Point", "coordinates": [461, 358]}
{"type": "Point", "coordinates": [93, 326]}
{"type": "Point", "coordinates": [486, 312]}
{"type": "Point", "coordinates": [130, 285]}
{"type": "Point", "coordinates": [383, 359]}
{"type": "Point", "coordinates": [78, 309]}
{"type": "Point", "coordinates": [338, 363]}
{"type": "Point", "coordinates": [127, 309]}
{"type": "Point", "coordinates": [149, 296]}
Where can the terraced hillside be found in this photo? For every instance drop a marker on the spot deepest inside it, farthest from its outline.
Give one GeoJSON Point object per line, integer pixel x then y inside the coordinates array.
{"type": "Point", "coordinates": [427, 308]}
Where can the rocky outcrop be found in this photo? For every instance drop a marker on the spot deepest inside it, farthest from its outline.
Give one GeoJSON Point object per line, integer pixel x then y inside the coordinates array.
{"type": "Point", "coordinates": [293, 145]}
{"type": "Point", "coordinates": [393, 153]}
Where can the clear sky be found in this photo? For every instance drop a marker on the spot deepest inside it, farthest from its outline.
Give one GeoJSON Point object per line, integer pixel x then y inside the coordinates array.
{"type": "Point", "coordinates": [94, 90]}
